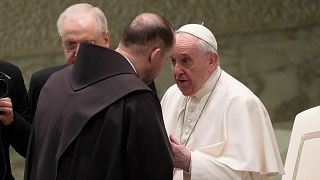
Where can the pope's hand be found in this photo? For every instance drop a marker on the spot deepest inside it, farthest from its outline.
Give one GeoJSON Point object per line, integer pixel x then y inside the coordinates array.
{"type": "Point", "coordinates": [182, 155]}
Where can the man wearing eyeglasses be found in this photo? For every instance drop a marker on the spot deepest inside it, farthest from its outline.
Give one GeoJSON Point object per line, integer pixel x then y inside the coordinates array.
{"type": "Point", "coordinates": [78, 23]}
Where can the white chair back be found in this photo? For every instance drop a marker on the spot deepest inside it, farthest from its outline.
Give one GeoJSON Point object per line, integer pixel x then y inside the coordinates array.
{"type": "Point", "coordinates": [303, 157]}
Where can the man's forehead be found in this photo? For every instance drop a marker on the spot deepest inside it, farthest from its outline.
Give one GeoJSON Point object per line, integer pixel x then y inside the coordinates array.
{"type": "Point", "coordinates": [185, 38]}
{"type": "Point", "coordinates": [83, 21]}
{"type": "Point", "coordinates": [186, 42]}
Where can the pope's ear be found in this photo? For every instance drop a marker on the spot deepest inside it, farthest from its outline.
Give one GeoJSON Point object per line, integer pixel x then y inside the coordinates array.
{"type": "Point", "coordinates": [155, 54]}
{"type": "Point", "coordinates": [213, 61]}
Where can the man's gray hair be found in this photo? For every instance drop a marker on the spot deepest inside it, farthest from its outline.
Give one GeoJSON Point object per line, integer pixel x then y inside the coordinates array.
{"type": "Point", "coordinates": [76, 9]}
{"type": "Point", "coordinates": [206, 48]}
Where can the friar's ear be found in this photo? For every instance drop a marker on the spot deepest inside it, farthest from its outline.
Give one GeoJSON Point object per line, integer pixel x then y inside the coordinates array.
{"type": "Point", "coordinates": [155, 55]}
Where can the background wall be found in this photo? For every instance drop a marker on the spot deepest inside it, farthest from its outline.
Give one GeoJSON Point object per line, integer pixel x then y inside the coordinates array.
{"type": "Point", "coordinates": [271, 46]}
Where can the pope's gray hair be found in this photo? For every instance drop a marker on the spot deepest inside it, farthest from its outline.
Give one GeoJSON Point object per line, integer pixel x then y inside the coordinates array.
{"type": "Point", "coordinates": [206, 47]}
{"type": "Point", "coordinates": [74, 10]}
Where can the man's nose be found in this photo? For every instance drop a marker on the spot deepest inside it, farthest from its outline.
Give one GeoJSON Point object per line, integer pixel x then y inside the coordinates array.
{"type": "Point", "coordinates": [177, 68]}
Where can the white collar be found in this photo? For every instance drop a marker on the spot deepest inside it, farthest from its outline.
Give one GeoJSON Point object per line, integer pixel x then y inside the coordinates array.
{"type": "Point", "coordinates": [131, 64]}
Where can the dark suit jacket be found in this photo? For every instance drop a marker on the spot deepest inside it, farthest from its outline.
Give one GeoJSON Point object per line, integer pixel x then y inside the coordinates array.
{"type": "Point", "coordinates": [38, 79]}
{"type": "Point", "coordinates": [97, 120]}
{"type": "Point", "coordinates": [17, 133]}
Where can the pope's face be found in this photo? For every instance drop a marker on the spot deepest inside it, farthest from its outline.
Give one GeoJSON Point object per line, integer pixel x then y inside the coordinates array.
{"type": "Point", "coordinates": [77, 30]}
{"type": "Point", "coordinates": [191, 66]}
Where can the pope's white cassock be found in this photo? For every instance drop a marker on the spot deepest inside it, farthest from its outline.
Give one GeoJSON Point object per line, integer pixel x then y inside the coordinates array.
{"type": "Point", "coordinates": [226, 128]}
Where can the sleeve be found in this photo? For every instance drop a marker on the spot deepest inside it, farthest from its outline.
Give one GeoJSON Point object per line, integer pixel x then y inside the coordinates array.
{"type": "Point", "coordinates": [19, 134]}
{"type": "Point", "coordinates": [20, 129]}
{"type": "Point", "coordinates": [206, 168]}
{"type": "Point", "coordinates": [149, 154]}
{"type": "Point", "coordinates": [19, 97]}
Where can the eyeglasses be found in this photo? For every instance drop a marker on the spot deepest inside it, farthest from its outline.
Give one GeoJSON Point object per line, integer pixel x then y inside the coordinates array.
{"type": "Point", "coordinates": [69, 45]}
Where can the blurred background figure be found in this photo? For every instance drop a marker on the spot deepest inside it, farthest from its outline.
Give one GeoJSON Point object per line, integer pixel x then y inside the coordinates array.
{"type": "Point", "coordinates": [78, 23]}
{"type": "Point", "coordinates": [14, 125]}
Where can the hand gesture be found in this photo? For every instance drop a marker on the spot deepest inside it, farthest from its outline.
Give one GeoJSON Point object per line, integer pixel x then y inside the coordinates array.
{"type": "Point", "coordinates": [182, 155]}
{"type": "Point", "coordinates": [6, 111]}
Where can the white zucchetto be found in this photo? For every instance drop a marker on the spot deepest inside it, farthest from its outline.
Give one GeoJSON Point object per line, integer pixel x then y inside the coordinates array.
{"type": "Point", "coordinates": [201, 32]}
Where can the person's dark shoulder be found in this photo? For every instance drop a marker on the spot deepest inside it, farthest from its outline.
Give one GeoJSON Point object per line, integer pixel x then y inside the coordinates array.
{"type": "Point", "coordinates": [142, 98]}
{"type": "Point", "coordinates": [152, 86]}
{"type": "Point", "coordinates": [9, 69]}
{"type": "Point", "coordinates": [43, 75]}
{"type": "Point", "coordinates": [47, 72]}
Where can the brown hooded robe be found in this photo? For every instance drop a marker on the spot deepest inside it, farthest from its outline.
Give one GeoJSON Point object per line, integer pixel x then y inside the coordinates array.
{"type": "Point", "coordinates": [97, 120]}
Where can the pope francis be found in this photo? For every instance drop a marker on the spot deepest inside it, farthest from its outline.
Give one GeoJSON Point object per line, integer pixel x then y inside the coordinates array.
{"type": "Point", "coordinates": [218, 128]}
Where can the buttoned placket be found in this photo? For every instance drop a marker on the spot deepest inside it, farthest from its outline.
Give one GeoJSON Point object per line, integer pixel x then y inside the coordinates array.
{"type": "Point", "coordinates": [191, 117]}
{"type": "Point", "coordinates": [194, 106]}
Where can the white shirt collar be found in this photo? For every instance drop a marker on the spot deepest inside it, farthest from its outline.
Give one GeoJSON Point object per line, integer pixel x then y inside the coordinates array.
{"type": "Point", "coordinates": [131, 64]}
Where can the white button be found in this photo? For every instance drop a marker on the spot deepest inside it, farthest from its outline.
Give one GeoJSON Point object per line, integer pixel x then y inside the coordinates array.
{"type": "Point", "coordinates": [189, 120]}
